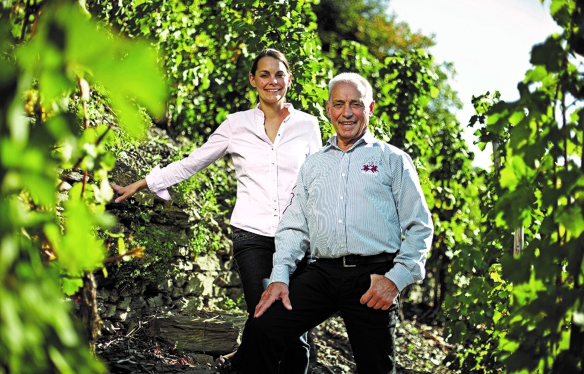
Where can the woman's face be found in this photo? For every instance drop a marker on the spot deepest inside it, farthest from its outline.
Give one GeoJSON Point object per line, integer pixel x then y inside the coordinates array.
{"type": "Point", "coordinates": [271, 79]}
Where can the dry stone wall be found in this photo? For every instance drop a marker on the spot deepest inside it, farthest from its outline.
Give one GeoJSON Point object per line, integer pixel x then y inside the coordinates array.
{"type": "Point", "coordinates": [202, 284]}
{"type": "Point", "coordinates": [171, 278]}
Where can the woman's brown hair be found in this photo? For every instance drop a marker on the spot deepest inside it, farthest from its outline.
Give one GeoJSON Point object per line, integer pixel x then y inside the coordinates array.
{"type": "Point", "coordinates": [270, 52]}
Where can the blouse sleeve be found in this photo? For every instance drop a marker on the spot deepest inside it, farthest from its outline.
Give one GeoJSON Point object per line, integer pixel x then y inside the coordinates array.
{"type": "Point", "coordinates": [316, 139]}
{"type": "Point", "coordinates": [159, 179]}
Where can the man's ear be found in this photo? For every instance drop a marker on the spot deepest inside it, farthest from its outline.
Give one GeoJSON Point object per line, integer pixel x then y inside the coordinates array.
{"type": "Point", "coordinates": [371, 106]}
{"type": "Point", "coordinates": [328, 109]}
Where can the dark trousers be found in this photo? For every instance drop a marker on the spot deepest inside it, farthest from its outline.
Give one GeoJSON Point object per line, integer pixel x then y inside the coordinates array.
{"type": "Point", "coordinates": [253, 254]}
{"type": "Point", "coordinates": [316, 294]}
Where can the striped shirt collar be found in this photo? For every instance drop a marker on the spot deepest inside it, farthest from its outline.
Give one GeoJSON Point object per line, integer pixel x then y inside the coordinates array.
{"type": "Point", "coordinates": [367, 138]}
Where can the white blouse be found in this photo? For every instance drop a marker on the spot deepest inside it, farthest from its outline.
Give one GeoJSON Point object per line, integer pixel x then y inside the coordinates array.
{"type": "Point", "coordinates": [266, 172]}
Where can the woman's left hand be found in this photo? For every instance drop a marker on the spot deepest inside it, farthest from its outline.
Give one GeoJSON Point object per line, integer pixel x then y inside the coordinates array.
{"type": "Point", "coordinates": [129, 190]}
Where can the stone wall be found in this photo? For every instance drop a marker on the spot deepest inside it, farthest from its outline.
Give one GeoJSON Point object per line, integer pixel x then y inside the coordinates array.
{"type": "Point", "coordinates": [189, 284]}
{"type": "Point", "coordinates": [202, 284]}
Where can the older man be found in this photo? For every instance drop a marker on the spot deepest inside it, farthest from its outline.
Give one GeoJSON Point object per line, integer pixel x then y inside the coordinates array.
{"type": "Point", "coordinates": [358, 206]}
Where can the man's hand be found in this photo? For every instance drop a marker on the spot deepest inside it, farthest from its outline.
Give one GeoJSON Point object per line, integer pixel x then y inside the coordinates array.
{"type": "Point", "coordinates": [381, 294]}
{"type": "Point", "coordinates": [275, 291]}
{"type": "Point", "coordinates": [129, 190]}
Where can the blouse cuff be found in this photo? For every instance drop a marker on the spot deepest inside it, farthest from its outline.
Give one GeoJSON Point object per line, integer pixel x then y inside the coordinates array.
{"type": "Point", "coordinates": [156, 184]}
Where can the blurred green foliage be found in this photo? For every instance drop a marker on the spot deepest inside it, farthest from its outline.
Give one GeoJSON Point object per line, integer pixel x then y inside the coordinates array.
{"type": "Point", "coordinates": [524, 313]}
{"type": "Point", "coordinates": [50, 54]}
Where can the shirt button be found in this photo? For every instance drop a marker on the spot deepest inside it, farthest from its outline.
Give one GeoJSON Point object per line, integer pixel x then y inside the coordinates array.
{"type": "Point", "coordinates": [340, 221]}
{"type": "Point", "coordinates": [341, 197]}
{"type": "Point", "coordinates": [343, 174]}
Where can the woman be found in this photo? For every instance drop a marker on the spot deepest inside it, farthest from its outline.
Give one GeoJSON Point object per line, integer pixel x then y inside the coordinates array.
{"type": "Point", "coordinates": [267, 144]}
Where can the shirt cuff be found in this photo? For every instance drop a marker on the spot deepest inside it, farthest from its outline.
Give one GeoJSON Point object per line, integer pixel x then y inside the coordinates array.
{"type": "Point", "coordinates": [400, 276]}
{"type": "Point", "coordinates": [156, 184]}
{"type": "Point", "coordinates": [280, 273]}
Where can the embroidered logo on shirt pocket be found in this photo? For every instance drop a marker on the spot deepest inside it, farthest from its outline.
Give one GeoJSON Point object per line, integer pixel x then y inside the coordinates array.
{"type": "Point", "coordinates": [370, 167]}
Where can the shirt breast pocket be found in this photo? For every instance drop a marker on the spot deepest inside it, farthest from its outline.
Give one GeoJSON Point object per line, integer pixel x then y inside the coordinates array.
{"type": "Point", "coordinates": [372, 167]}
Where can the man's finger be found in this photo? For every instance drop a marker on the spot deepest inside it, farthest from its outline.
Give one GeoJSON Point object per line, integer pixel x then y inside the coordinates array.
{"type": "Point", "coordinates": [263, 306]}
{"type": "Point", "coordinates": [374, 302]}
{"type": "Point", "coordinates": [366, 297]}
{"type": "Point", "coordinates": [286, 302]}
{"type": "Point", "coordinates": [382, 304]}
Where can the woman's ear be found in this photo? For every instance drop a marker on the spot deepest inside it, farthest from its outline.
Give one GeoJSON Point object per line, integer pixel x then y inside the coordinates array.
{"type": "Point", "coordinates": [252, 80]}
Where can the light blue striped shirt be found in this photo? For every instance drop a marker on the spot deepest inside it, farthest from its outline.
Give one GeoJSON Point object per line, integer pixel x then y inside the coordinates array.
{"type": "Point", "coordinates": [365, 201]}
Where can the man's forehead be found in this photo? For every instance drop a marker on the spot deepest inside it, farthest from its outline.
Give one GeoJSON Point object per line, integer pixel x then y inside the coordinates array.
{"type": "Point", "coordinates": [343, 90]}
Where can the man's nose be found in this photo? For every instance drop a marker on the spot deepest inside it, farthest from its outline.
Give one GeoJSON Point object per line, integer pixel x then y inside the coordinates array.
{"type": "Point", "coordinates": [347, 113]}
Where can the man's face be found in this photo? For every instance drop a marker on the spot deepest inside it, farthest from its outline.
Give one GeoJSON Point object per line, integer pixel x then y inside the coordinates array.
{"type": "Point", "coordinates": [349, 113]}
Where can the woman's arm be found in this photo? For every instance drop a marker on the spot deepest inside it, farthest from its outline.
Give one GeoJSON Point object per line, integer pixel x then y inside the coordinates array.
{"type": "Point", "coordinates": [159, 179]}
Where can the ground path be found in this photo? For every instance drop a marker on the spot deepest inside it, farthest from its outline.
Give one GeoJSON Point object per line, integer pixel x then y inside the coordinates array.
{"type": "Point", "coordinates": [420, 350]}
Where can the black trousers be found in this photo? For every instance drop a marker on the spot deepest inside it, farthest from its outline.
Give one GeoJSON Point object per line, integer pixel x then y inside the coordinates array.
{"type": "Point", "coordinates": [253, 254]}
{"type": "Point", "coordinates": [318, 293]}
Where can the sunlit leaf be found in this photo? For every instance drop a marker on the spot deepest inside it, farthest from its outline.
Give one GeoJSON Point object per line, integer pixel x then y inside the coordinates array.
{"type": "Point", "coordinates": [572, 219]}
{"type": "Point", "coordinates": [70, 286]}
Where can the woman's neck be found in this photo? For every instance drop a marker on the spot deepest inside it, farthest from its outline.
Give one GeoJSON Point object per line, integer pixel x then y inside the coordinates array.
{"type": "Point", "coordinates": [273, 110]}
{"type": "Point", "coordinates": [273, 117]}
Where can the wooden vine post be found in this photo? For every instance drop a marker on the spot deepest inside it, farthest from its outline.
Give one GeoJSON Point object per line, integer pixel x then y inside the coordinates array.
{"type": "Point", "coordinates": [518, 241]}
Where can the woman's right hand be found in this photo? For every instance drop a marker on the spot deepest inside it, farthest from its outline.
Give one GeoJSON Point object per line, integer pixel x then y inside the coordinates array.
{"type": "Point", "coordinates": [129, 190]}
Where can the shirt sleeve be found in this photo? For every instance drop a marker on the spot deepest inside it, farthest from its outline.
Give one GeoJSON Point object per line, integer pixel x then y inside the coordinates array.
{"type": "Point", "coordinates": [415, 223]}
{"type": "Point", "coordinates": [159, 180]}
{"type": "Point", "coordinates": [292, 235]}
